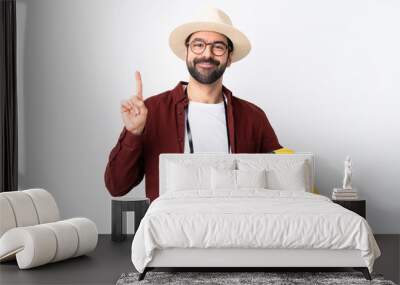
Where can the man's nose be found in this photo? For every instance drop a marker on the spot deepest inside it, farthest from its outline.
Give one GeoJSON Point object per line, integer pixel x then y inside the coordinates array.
{"type": "Point", "coordinates": [207, 52]}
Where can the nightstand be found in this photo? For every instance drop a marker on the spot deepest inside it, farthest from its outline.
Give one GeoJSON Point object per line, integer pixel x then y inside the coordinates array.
{"type": "Point", "coordinates": [357, 206]}
{"type": "Point", "coordinates": [119, 207]}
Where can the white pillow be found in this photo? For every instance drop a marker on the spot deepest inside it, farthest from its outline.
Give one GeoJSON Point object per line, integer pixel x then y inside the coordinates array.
{"type": "Point", "coordinates": [236, 179]}
{"type": "Point", "coordinates": [291, 178]}
{"type": "Point", "coordinates": [251, 178]}
{"type": "Point", "coordinates": [193, 175]}
{"type": "Point", "coordinates": [282, 174]}
{"type": "Point", "coordinates": [223, 179]}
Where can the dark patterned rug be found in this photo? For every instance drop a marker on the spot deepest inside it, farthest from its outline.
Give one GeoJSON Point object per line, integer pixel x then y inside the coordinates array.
{"type": "Point", "coordinates": [269, 278]}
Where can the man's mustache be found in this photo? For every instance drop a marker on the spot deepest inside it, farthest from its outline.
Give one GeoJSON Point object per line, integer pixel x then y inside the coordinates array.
{"type": "Point", "coordinates": [210, 60]}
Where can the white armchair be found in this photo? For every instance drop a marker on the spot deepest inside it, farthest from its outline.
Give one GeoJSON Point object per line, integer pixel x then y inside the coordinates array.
{"type": "Point", "coordinates": [32, 233]}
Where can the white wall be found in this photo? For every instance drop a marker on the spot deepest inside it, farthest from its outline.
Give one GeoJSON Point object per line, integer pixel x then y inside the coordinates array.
{"type": "Point", "coordinates": [327, 73]}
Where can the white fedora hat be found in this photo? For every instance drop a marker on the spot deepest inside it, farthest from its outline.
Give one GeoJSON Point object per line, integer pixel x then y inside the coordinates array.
{"type": "Point", "coordinates": [214, 20]}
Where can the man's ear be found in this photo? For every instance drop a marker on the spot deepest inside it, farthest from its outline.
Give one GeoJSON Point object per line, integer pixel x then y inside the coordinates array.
{"type": "Point", "coordinates": [229, 61]}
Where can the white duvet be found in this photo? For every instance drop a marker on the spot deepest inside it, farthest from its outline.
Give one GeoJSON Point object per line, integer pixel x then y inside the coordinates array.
{"type": "Point", "coordinates": [251, 218]}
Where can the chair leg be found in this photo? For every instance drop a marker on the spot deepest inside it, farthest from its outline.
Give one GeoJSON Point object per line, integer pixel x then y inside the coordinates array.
{"type": "Point", "coordinates": [143, 274]}
{"type": "Point", "coordinates": [364, 271]}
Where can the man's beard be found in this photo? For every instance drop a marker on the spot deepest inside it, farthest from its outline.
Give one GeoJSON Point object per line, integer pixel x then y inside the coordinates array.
{"type": "Point", "coordinates": [206, 76]}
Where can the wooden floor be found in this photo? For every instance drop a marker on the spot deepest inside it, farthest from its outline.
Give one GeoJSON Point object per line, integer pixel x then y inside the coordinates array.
{"type": "Point", "coordinates": [111, 259]}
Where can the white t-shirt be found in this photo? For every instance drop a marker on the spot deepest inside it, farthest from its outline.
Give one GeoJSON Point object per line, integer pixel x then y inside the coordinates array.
{"type": "Point", "coordinates": [208, 127]}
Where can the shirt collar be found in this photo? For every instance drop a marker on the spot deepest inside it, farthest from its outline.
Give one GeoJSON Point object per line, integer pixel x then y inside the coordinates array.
{"type": "Point", "coordinates": [179, 93]}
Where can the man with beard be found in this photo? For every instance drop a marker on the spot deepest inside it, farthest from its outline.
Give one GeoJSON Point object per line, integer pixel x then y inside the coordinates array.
{"type": "Point", "coordinates": [201, 115]}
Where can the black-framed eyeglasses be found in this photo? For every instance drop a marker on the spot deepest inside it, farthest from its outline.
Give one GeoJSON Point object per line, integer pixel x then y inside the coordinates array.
{"type": "Point", "coordinates": [198, 46]}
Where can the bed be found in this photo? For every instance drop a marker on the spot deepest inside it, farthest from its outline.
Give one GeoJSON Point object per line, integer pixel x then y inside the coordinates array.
{"type": "Point", "coordinates": [247, 210]}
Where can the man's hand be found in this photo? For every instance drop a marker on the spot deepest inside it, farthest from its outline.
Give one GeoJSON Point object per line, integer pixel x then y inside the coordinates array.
{"type": "Point", "coordinates": [133, 110]}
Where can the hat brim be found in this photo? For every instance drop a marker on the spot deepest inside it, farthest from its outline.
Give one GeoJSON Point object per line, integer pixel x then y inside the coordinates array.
{"type": "Point", "coordinates": [178, 36]}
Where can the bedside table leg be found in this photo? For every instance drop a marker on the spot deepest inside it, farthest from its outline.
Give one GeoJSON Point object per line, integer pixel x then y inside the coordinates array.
{"type": "Point", "coordinates": [118, 222]}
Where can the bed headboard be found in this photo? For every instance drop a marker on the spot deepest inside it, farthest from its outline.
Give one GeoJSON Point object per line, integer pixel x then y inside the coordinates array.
{"type": "Point", "coordinates": [165, 158]}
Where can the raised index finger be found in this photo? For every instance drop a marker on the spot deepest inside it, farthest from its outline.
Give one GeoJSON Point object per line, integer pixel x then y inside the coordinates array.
{"type": "Point", "coordinates": [138, 85]}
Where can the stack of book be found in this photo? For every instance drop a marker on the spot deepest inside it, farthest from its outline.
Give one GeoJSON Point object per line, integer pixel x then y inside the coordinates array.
{"type": "Point", "coordinates": [344, 194]}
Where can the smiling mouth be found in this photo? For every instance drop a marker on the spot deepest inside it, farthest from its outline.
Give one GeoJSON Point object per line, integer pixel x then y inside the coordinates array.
{"type": "Point", "coordinates": [206, 65]}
